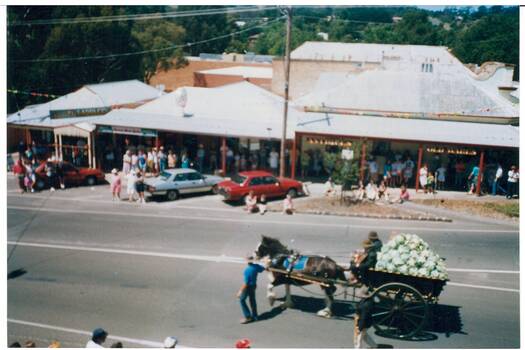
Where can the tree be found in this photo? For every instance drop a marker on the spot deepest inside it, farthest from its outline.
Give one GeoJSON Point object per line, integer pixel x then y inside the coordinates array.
{"type": "Point", "coordinates": [158, 36]}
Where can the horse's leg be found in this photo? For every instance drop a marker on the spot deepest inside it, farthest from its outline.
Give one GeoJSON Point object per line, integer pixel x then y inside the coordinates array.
{"type": "Point", "coordinates": [270, 294]}
{"type": "Point", "coordinates": [288, 303]}
{"type": "Point", "coordinates": [329, 299]}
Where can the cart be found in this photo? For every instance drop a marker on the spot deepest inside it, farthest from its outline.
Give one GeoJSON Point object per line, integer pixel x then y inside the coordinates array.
{"type": "Point", "coordinates": [401, 303]}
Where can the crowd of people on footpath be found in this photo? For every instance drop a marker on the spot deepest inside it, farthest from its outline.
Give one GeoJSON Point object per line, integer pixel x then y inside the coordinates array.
{"type": "Point", "coordinates": [97, 340]}
{"type": "Point", "coordinates": [370, 192]}
{"type": "Point", "coordinates": [254, 205]}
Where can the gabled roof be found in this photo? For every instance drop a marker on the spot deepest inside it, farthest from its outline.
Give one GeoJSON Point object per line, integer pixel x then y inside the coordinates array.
{"type": "Point", "coordinates": [89, 96]}
{"type": "Point", "coordinates": [235, 110]}
{"type": "Point", "coordinates": [408, 91]}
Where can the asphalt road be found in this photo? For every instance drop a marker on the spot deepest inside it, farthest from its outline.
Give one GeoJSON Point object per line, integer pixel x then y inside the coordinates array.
{"type": "Point", "coordinates": [80, 261]}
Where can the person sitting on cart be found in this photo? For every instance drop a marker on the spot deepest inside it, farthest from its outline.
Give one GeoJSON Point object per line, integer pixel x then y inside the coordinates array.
{"type": "Point", "coordinates": [374, 237]}
{"type": "Point", "coordinates": [363, 261]}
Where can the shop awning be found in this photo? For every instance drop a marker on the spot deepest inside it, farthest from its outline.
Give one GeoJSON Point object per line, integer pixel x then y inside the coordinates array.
{"type": "Point", "coordinates": [411, 130]}
{"type": "Point", "coordinates": [75, 130]}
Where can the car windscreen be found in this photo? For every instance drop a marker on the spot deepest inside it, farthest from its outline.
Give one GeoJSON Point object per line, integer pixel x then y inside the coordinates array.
{"type": "Point", "coordinates": [238, 178]}
{"type": "Point", "coordinates": [164, 175]}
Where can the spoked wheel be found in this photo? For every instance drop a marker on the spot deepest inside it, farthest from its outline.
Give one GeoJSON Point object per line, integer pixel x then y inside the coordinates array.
{"type": "Point", "coordinates": [399, 311]}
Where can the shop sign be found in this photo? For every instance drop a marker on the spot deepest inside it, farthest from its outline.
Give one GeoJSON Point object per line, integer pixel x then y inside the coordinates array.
{"type": "Point", "coordinates": [81, 112]}
{"type": "Point", "coordinates": [347, 154]}
{"type": "Point", "coordinates": [127, 131]}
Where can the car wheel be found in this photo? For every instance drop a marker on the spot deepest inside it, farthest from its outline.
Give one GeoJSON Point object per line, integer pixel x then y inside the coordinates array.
{"type": "Point", "coordinates": [91, 181]}
{"type": "Point", "coordinates": [172, 195]}
{"type": "Point", "coordinates": [292, 192]}
{"type": "Point", "coordinates": [215, 189]}
{"type": "Point", "coordinates": [40, 184]}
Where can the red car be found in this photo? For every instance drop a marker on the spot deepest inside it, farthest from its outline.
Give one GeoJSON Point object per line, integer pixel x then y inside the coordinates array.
{"type": "Point", "coordinates": [260, 182]}
{"type": "Point", "coordinates": [73, 176]}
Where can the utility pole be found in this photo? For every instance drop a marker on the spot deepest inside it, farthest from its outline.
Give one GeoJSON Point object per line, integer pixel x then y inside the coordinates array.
{"type": "Point", "coordinates": [288, 12]}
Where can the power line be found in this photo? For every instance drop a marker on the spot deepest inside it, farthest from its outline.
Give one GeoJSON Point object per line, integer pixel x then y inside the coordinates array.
{"type": "Point", "coordinates": [144, 16]}
{"type": "Point", "coordinates": [148, 51]}
{"type": "Point", "coordinates": [344, 20]}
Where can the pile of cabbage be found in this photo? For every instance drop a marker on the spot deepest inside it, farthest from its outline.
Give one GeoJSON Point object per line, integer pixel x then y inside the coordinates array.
{"type": "Point", "coordinates": [408, 254]}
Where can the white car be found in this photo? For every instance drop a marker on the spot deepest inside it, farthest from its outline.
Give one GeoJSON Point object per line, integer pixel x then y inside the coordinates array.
{"type": "Point", "coordinates": [174, 182]}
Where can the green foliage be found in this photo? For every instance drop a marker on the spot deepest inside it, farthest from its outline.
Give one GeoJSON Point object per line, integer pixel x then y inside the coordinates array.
{"type": "Point", "coordinates": [509, 209]}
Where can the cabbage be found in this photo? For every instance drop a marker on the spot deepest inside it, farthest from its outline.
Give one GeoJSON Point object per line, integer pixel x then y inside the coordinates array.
{"type": "Point", "coordinates": [408, 254]}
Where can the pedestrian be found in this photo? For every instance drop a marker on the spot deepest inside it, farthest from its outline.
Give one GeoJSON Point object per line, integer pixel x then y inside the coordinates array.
{"type": "Point", "coordinates": [29, 344]}
{"type": "Point", "coordinates": [382, 191]}
{"type": "Point", "coordinates": [497, 181]}
{"type": "Point", "coordinates": [243, 344]}
{"type": "Point", "coordinates": [363, 319]}
{"type": "Point", "coordinates": [142, 161]}
{"type": "Point", "coordinates": [387, 173]}
{"type": "Point", "coordinates": [51, 174]}
{"type": "Point", "coordinates": [423, 173]}
{"type": "Point", "coordinates": [329, 187]}
{"type": "Point", "coordinates": [185, 161]}
{"type": "Point", "coordinates": [288, 207]}
{"type": "Point", "coordinates": [473, 179]}
{"type": "Point", "coordinates": [460, 174]}
{"type": "Point", "coordinates": [373, 169]}
{"type": "Point", "coordinates": [371, 191]}
{"type": "Point", "coordinates": [247, 290]}
{"type": "Point", "coordinates": [360, 192]}
{"type": "Point", "coordinates": [170, 342]}
{"type": "Point", "coordinates": [131, 185]}
{"type": "Point", "coordinates": [19, 170]}
{"type": "Point", "coordinates": [441, 177]}
{"type": "Point", "coordinates": [139, 186]}
{"type": "Point", "coordinates": [98, 338]}
{"type": "Point", "coordinates": [60, 174]}
{"type": "Point", "coordinates": [162, 159]}
{"type": "Point", "coordinates": [172, 159]}
{"type": "Point", "coordinates": [134, 161]}
{"type": "Point", "coordinates": [29, 177]}
{"type": "Point", "coordinates": [262, 205]}
{"type": "Point", "coordinates": [403, 195]}
{"type": "Point", "coordinates": [274, 160]}
{"type": "Point", "coordinates": [431, 182]}
{"type": "Point", "coordinates": [116, 184]}
{"type": "Point", "coordinates": [126, 162]}
{"type": "Point", "coordinates": [251, 202]}
{"type": "Point", "coordinates": [512, 182]}
{"type": "Point", "coordinates": [201, 153]}
{"type": "Point", "coordinates": [150, 162]}
{"type": "Point", "coordinates": [408, 171]}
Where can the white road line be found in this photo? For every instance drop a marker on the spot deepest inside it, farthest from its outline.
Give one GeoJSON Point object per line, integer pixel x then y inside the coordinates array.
{"type": "Point", "coordinates": [221, 258]}
{"type": "Point", "coordinates": [218, 258]}
{"type": "Point", "coordinates": [251, 221]}
{"type": "Point", "coordinates": [482, 287]}
{"type": "Point", "coordinates": [142, 342]}
{"type": "Point", "coordinates": [485, 271]}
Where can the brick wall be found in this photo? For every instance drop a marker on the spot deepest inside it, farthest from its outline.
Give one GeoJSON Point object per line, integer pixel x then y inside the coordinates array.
{"type": "Point", "coordinates": [214, 80]}
{"type": "Point", "coordinates": [305, 73]}
{"type": "Point", "coordinates": [175, 78]}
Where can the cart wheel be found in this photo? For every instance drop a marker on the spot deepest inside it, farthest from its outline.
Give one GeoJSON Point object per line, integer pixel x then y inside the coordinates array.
{"type": "Point", "coordinates": [399, 311]}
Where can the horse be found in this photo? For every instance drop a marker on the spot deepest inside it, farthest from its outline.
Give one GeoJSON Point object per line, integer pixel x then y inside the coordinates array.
{"type": "Point", "coordinates": [282, 258]}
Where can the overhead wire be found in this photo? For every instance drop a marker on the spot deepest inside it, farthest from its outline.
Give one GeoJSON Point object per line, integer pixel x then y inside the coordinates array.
{"type": "Point", "coordinates": [146, 16]}
{"type": "Point", "coordinates": [148, 51]}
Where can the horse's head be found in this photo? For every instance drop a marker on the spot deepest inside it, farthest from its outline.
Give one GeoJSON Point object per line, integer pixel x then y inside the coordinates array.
{"type": "Point", "coordinates": [270, 247]}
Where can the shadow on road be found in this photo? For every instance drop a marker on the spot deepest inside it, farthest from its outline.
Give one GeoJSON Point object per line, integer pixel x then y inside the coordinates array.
{"type": "Point", "coordinates": [271, 314]}
{"type": "Point", "coordinates": [16, 273]}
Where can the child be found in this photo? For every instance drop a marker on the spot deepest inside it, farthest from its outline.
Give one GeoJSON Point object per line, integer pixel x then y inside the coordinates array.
{"type": "Point", "coordinates": [116, 184]}
{"type": "Point", "coordinates": [430, 183]}
{"type": "Point", "coordinates": [262, 205]}
{"type": "Point", "coordinates": [132, 179]}
{"type": "Point", "coordinates": [251, 202]}
{"type": "Point", "coordinates": [288, 205]}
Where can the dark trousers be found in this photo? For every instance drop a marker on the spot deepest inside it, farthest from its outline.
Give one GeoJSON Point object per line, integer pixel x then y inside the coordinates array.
{"type": "Point", "coordinates": [249, 292]}
{"type": "Point", "coordinates": [511, 189]}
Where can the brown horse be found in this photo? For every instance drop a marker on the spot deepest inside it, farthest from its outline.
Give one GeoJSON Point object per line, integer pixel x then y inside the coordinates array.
{"type": "Point", "coordinates": [318, 267]}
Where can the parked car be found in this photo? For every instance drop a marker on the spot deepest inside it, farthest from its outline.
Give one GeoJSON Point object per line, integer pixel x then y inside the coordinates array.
{"type": "Point", "coordinates": [174, 182]}
{"type": "Point", "coordinates": [73, 176]}
{"type": "Point", "coordinates": [260, 182]}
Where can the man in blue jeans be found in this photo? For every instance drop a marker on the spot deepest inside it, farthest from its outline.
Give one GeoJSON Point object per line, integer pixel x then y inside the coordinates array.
{"type": "Point", "coordinates": [248, 290]}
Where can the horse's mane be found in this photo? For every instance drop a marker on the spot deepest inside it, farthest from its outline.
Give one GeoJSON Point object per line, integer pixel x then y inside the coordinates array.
{"type": "Point", "coordinates": [274, 244]}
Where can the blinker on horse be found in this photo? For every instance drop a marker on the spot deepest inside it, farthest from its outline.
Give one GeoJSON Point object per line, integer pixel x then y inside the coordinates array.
{"type": "Point", "coordinates": [315, 266]}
